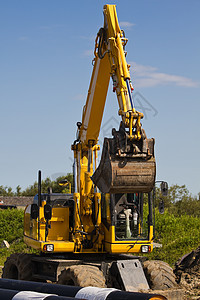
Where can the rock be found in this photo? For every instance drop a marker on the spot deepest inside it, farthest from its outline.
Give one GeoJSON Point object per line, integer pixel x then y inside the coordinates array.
{"type": "Point", "coordinates": [5, 244]}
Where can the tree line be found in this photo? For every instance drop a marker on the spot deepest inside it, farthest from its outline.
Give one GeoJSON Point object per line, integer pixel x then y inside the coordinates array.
{"type": "Point", "coordinates": [179, 200]}
{"type": "Point", "coordinates": [32, 190]}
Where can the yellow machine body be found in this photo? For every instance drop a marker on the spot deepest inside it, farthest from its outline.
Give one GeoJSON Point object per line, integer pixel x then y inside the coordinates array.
{"type": "Point", "coordinates": [127, 169]}
{"type": "Point", "coordinates": [84, 237]}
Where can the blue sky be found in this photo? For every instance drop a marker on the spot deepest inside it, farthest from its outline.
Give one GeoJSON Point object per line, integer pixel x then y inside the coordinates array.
{"type": "Point", "coordinates": [45, 62]}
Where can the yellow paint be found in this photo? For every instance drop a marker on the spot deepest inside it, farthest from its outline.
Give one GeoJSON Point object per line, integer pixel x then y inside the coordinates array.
{"type": "Point", "coordinates": [59, 246]}
{"type": "Point", "coordinates": [126, 246]}
{"type": "Point", "coordinates": [87, 200]}
{"type": "Point", "coordinates": [58, 231]}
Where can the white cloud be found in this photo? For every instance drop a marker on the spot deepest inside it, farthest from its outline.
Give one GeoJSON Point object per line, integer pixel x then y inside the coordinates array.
{"type": "Point", "coordinates": [127, 25]}
{"type": "Point", "coordinates": [148, 76]}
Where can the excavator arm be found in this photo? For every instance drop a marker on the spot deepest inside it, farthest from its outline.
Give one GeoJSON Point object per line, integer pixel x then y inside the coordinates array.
{"type": "Point", "coordinates": [109, 62]}
{"type": "Point", "coordinates": [94, 108]}
{"type": "Point", "coordinates": [127, 163]}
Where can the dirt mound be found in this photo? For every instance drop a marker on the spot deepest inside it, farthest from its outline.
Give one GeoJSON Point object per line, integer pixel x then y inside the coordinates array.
{"type": "Point", "coordinates": [187, 271]}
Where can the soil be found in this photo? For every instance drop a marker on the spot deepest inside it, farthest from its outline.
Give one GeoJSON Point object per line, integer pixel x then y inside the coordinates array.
{"type": "Point", "coordinates": [188, 274]}
{"type": "Point", "coordinates": [190, 282]}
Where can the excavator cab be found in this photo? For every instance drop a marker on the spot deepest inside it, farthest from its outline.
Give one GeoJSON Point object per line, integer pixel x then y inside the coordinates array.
{"type": "Point", "coordinates": [128, 221]}
{"type": "Point", "coordinates": [127, 213]}
{"type": "Point", "coordinates": [129, 216]}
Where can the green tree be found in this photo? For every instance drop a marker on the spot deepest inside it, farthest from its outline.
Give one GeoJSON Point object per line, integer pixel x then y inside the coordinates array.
{"type": "Point", "coordinates": [6, 191]}
{"type": "Point", "coordinates": [18, 190]}
{"type": "Point", "coordinates": [3, 191]}
{"type": "Point", "coordinates": [32, 190]}
{"type": "Point", "coordinates": [179, 201]}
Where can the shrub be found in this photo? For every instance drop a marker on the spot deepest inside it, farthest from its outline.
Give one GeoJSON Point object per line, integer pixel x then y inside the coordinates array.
{"type": "Point", "coordinates": [178, 236]}
{"type": "Point", "coordinates": [11, 230]}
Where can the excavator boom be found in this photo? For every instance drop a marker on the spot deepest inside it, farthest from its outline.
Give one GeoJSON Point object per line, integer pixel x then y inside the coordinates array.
{"type": "Point", "coordinates": [127, 163]}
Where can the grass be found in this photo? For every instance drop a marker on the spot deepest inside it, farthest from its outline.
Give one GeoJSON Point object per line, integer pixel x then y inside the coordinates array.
{"type": "Point", "coordinates": [11, 230]}
{"type": "Point", "coordinates": [178, 235]}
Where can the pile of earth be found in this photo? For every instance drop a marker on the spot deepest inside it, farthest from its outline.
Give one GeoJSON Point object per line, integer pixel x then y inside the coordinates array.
{"type": "Point", "coordinates": [187, 271]}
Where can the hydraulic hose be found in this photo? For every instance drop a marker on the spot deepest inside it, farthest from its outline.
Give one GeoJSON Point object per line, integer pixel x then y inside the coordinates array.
{"type": "Point", "coordinates": [102, 39]}
{"type": "Point", "coordinates": [129, 92]}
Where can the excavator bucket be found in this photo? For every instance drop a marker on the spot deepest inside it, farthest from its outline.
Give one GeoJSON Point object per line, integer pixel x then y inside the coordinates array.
{"type": "Point", "coordinates": [129, 170]}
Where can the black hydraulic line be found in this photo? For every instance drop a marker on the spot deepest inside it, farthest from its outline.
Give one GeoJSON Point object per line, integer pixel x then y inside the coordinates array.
{"type": "Point", "coordinates": [112, 209]}
{"type": "Point", "coordinates": [39, 188]}
{"type": "Point", "coordinates": [75, 176]}
{"type": "Point", "coordinates": [150, 203]}
{"type": "Point", "coordinates": [83, 232]}
{"type": "Point", "coordinates": [102, 39]}
{"type": "Point", "coordinates": [97, 213]}
{"type": "Point", "coordinates": [141, 199]}
{"type": "Point", "coordinates": [39, 200]}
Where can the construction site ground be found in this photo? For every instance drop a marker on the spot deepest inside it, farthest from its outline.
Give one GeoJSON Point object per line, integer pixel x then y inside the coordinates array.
{"type": "Point", "coordinates": [190, 282]}
{"type": "Point", "coordinates": [190, 285]}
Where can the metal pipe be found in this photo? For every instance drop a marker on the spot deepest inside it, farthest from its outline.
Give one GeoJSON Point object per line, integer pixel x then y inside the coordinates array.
{"type": "Point", "coordinates": [21, 285]}
{"type": "Point", "coordinates": [39, 188]}
{"type": "Point", "coordinates": [7, 294]}
{"type": "Point", "coordinates": [39, 200]}
{"type": "Point", "coordinates": [75, 291]}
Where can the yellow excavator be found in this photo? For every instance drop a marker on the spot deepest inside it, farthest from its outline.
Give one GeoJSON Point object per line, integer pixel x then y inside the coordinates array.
{"type": "Point", "coordinates": [87, 238]}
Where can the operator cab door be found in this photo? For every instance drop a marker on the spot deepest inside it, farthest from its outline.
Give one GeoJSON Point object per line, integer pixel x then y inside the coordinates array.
{"type": "Point", "coordinates": [126, 218]}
